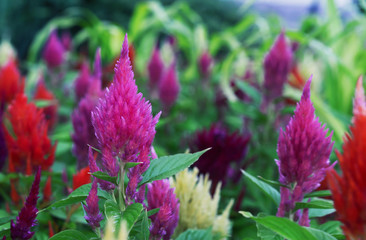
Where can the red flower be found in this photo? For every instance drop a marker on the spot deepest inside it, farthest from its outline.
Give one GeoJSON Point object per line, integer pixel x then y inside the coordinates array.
{"type": "Point", "coordinates": [47, 191]}
{"type": "Point", "coordinates": [50, 112]}
{"type": "Point", "coordinates": [11, 82]}
{"type": "Point", "coordinates": [27, 142]}
{"type": "Point", "coordinates": [82, 177]}
{"type": "Point", "coordinates": [349, 190]}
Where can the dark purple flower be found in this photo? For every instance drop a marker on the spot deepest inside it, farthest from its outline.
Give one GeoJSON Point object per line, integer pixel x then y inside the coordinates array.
{"type": "Point", "coordinates": [277, 65]}
{"type": "Point", "coordinates": [303, 151]}
{"type": "Point", "coordinates": [93, 167]}
{"type": "Point", "coordinates": [54, 52]}
{"type": "Point", "coordinates": [124, 125]}
{"type": "Point", "coordinates": [93, 215]}
{"type": "Point", "coordinates": [227, 148]}
{"type": "Point", "coordinates": [161, 196]}
{"type": "Point", "coordinates": [169, 87]}
{"type": "Point", "coordinates": [83, 130]}
{"type": "Point", "coordinates": [82, 81]}
{"type": "Point", "coordinates": [21, 230]}
{"type": "Point", "coordinates": [66, 41]}
{"type": "Point", "coordinates": [205, 64]}
{"type": "Point", "coordinates": [155, 68]}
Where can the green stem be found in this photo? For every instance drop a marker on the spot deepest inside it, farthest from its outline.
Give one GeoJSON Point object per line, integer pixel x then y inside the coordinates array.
{"type": "Point", "coordinates": [121, 188]}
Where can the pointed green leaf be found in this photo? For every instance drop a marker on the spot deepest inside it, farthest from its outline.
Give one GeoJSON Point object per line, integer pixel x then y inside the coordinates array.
{"type": "Point", "coordinates": [266, 188]}
{"type": "Point", "coordinates": [131, 164]}
{"type": "Point", "coordinates": [168, 166]}
{"type": "Point", "coordinates": [69, 235]}
{"type": "Point", "coordinates": [196, 234]}
{"type": "Point", "coordinates": [131, 214]}
{"type": "Point", "coordinates": [315, 203]}
{"type": "Point", "coordinates": [105, 176]}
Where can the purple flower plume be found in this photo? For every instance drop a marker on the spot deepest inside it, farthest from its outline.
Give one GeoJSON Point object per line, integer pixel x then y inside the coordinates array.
{"type": "Point", "coordinates": [155, 68]}
{"type": "Point", "coordinates": [93, 215]}
{"type": "Point", "coordinates": [277, 65]}
{"type": "Point", "coordinates": [160, 195]}
{"type": "Point", "coordinates": [89, 89]}
{"type": "Point", "coordinates": [205, 63]}
{"type": "Point", "coordinates": [124, 125]}
{"type": "Point", "coordinates": [303, 150]}
{"type": "Point", "coordinates": [54, 51]}
{"type": "Point", "coordinates": [105, 185]}
{"type": "Point", "coordinates": [169, 87]}
{"type": "Point", "coordinates": [21, 230]}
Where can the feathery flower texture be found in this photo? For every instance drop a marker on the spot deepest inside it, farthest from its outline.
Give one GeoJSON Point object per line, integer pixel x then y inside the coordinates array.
{"type": "Point", "coordinates": [161, 196]}
{"type": "Point", "coordinates": [30, 146]}
{"type": "Point", "coordinates": [348, 189]}
{"type": "Point", "coordinates": [54, 52]}
{"type": "Point", "coordinates": [227, 148]}
{"type": "Point", "coordinates": [11, 82]}
{"type": "Point", "coordinates": [93, 214]}
{"type": "Point", "coordinates": [303, 150]}
{"type": "Point", "coordinates": [21, 229]}
{"type": "Point", "coordinates": [197, 208]}
{"type": "Point", "coordinates": [277, 65]}
{"type": "Point", "coordinates": [169, 87]}
{"type": "Point", "coordinates": [124, 125]}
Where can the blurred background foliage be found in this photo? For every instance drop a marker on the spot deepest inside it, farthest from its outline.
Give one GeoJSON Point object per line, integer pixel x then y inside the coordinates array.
{"type": "Point", "coordinates": [328, 46]}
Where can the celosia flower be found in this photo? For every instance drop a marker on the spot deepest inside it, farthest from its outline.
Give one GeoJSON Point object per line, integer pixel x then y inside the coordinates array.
{"type": "Point", "coordinates": [205, 64]}
{"type": "Point", "coordinates": [47, 191]}
{"type": "Point", "coordinates": [93, 214]}
{"type": "Point", "coordinates": [11, 82]}
{"type": "Point", "coordinates": [83, 130]}
{"type": "Point", "coordinates": [161, 196]}
{"type": "Point", "coordinates": [50, 112]}
{"type": "Point", "coordinates": [124, 125]}
{"type": "Point", "coordinates": [21, 229]}
{"type": "Point", "coordinates": [155, 68]}
{"type": "Point", "coordinates": [303, 150]}
{"type": "Point", "coordinates": [277, 65]}
{"type": "Point", "coordinates": [227, 148]}
{"type": "Point", "coordinates": [169, 87]}
{"type": "Point", "coordinates": [82, 81]}
{"type": "Point", "coordinates": [3, 148]}
{"type": "Point", "coordinates": [197, 208]}
{"type": "Point", "coordinates": [222, 223]}
{"type": "Point", "coordinates": [53, 52]}
{"type": "Point", "coordinates": [66, 41]}
{"type": "Point", "coordinates": [28, 144]}
{"type": "Point", "coordinates": [81, 178]}
{"type": "Point", "coordinates": [109, 232]}
{"type": "Point", "coordinates": [105, 185]}
{"type": "Point", "coordinates": [348, 189]}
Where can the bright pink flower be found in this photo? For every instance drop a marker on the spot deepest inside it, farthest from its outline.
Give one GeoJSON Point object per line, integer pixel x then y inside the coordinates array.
{"type": "Point", "coordinates": [54, 52]}
{"type": "Point", "coordinates": [93, 215]}
{"type": "Point", "coordinates": [155, 68]}
{"type": "Point", "coordinates": [169, 87]}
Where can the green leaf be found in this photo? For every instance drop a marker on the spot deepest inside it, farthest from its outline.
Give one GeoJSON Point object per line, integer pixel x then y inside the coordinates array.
{"type": "Point", "coordinates": [145, 232]}
{"type": "Point", "coordinates": [316, 212]}
{"type": "Point", "coordinates": [271, 182]}
{"type": "Point", "coordinates": [322, 193]}
{"type": "Point", "coordinates": [131, 214]}
{"type": "Point", "coordinates": [95, 149]}
{"type": "Point", "coordinates": [44, 103]}
{"type": "Point", "coordinates": [196, 234]}
{"type": "Point", "coordinates": [69, 235]}
{"type": "Point", "coordinates": [105, 176]}
{"type": "Point", "coordinates": [77, 196]}
{"type": "Point", "coordinates": [113, 212]}
{"type": "Point", "coordinates": [315, 203]}
{"type": "Point", "coordinates": [266, 188]}
{"type": "Point", "coordinates": [284, 227]}
{"type": "Point", "coordinates": [131, 164]}
{"type": "Point", "coordinates": [4, 220]}
{"type": "Point", "coordinates": [321, 235]}
{"type": "Point", "coordinates": [152, 211]}
{"type": "Point", "coordinates": [165, 167]}
{"type": "Point", "coordinates": [265, 233]}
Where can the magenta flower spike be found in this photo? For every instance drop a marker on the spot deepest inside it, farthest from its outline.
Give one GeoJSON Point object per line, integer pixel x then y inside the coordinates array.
{"type": "Point", "coordinates": [169, 87]}
{"type": "Point", "coordinates": [155, 68]}
{"type": "Point", "coordinates": [277, 65]}
{"type": "Point", "coordinates": [124, 125]}
{"type": "Point", "coordinates": [21, 230]}
{"type": "Point", "coordinates": [303, 150]}
{"type": "Point", "coordinates": [82, 81]}
{"type": "Point", "coordinates": [205, 64]}
{"type": "Point", "coordinates": [83, 130]}
{"type": "Point", "coordinates": [54, 52]}
{"type": "Point", "coordinates": [98, 65]}
{"type": "Point", "coordinates": [93, 215]}
{"type": "Point", "coordinates": [160, 195]}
